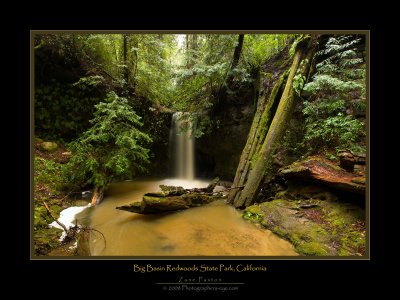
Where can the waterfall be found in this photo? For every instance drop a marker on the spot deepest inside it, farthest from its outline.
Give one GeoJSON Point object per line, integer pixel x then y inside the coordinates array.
{"type": "Point", "coordinates": [181, 143]}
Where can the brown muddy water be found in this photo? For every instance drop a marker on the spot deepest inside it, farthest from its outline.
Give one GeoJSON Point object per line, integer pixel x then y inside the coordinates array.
{"type": "Point", "coordinates": [213, 230]}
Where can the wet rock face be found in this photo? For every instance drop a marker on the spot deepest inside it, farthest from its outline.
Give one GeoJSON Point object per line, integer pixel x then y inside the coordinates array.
{"type": "Point", "coordinates": [218, 154]}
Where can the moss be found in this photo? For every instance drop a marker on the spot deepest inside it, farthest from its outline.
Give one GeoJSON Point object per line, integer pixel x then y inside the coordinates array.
{"type": "Point", "coordinates": [252, 217]}
{"type": "Point", "coordinates": [46, 239]}
{"type": "Point", "coordinates": [49, 146]}
{"type": "Point", "coordinates": [338, 230]}
{"type": "Point", "coordinates": [343, 252]}
{"type": "Point", "coordinates": [267, 75]}
{"type": "Point", "coordinates": [254, 209]}
{"type": "Point", "coordinates": [277, 230]}
{"type": "Point", "coordinates": [353, 240]}
{"type": "Point", "coordinates": [294, 238]}
{"type": "Point", "coordinates": [339, 223]}
{"type": "Point", "coordinates": [41, 217]}
{"type": "Point", "coordinates": [316, 232]}
{"type": "Point", "coordinates": [311, 248]}
{"type": "Point", "coordinates": [48, 183]}
{"type": "Point", "coordinates": [253, 213]}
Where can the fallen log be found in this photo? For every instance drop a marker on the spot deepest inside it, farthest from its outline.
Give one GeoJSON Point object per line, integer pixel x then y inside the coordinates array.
{"type": "Point", "coordinates": [153, 204]}
{"type": "Point", "coordinates": [321, 170]}
{"type": "Point", "coordinates": [172, 198]}
{"type": "Point", "coordinates": [207, 189]}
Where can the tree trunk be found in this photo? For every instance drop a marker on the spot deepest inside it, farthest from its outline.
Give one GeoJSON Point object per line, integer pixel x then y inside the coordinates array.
{"type": "Point", "coordinates": [235, 61]}
{"type": "Point", "coordinates": [261, 122]}
{"type": "Point", "coordinates": [98, 195]}
{"type": "Point", "coordinates": [238, 51]}
{"type": "Point", "coordinates": [227, 85]}
{"type": "Point", "coordinates": [263, 157]}
{"type": "Point", "coordinates": [125, 58]}
{"type": "Point", "coordinates": [194, 42]}
{"type": "Point", "coordinates": [135, 63]}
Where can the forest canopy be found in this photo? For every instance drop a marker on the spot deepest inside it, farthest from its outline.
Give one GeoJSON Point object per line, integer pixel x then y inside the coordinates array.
{"type": "Point", "coordinates": [179, 72]}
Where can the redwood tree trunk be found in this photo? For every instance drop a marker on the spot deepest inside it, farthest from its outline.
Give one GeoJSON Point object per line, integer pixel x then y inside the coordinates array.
{"type": "Point", "coordinates": [235, 60]}
{"type": "Point", "coordinates": [262, 159]}
{"type": "Point", "coordinates": [222, 96]}
{"type": "Point", "coordinates": [259, 128]}
{"type": "Point", "coordinates": [135, 62]}
{"type": "Point", "coordinates": [125, 58]}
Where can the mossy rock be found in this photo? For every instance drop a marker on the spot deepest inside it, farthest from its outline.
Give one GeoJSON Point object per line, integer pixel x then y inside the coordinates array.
{"type": "Point", "coordinates": [38, 140]}
{"type": "Point", "coordinates": [254, 213]}
{"type": "Point", "coordinates": [312, 248]}
{"type": "Point", "coordinates": [329, 229]}
{"type": "Point", "coordinates": [254, 209]}
{"type": "Point", "coordinates": [49, 146]}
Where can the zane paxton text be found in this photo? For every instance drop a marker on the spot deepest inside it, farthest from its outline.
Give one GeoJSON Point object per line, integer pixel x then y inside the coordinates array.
{"type": "Point", "coordinates": [202, 268]}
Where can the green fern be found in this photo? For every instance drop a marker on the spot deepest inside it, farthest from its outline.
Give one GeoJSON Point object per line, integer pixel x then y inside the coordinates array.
{"type": "Point", "coordinates": [113, 148]}
{"type": "Point", "coordinates": [336, 91]}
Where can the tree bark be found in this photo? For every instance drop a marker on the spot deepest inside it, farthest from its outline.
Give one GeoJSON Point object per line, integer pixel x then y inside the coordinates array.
{"type": "Point", "coordinates": [135, 62]}
{"type": "Point", "coordinates": [173, 198]}
{"type": "Point", "coordinates": [263, 158]}
{"type": "Point", "coordinates": [98, 195]}
{"type": "Point", "coordinates": [154, 204]}
{"type": "Point", "coordinates": [194, 42]}
{"type": "Point", "coordinates": [235, 61]}
{"type": "Point", "coordinates": [261, 122]}
{"type": "Point", "coordinates": [125, 58]}
{"type": "Point", "coordinates": [322, 171]}
{"type": "Point", "coordinates": [227, 85]}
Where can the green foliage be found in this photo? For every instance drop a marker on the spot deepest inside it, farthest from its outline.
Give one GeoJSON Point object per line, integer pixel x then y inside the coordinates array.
{"type": "Point", "coordinates": [339, 130]}
{"type": "Point", "coordinates": [203, 124]}
{"type": "Point", "coordinates": [292, 48]}
{"type": "Point", "coordinates": [336, 95]}
{"type": "Point", "coordinates": [298, 83]}
{"type": "Point", "coordinates": [155, 69]}
{"type": "Point", "coordinates": [113, 148]}
{"type": "Point", "coordinates": [180, 72]}
{"type": "Point", "coordinates": [63, 110]}
{"type": "Point", "coordinates": [89, 82]}
{"type": "Point", "coordinates": [259, 47]}
{"type": "Point", "coordinates": [47, 172]}
{"type": "Point", "coordinates": [255, 217]}
{"type": "Point", "coordinates": [203, 66]}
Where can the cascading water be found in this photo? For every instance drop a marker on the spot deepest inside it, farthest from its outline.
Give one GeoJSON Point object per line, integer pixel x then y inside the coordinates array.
{"type": "Point", "coordinates": [181, 141]}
